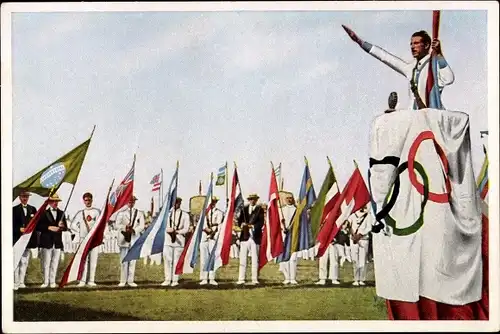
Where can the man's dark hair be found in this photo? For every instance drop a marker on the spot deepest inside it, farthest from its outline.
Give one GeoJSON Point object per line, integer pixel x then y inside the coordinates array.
{"type": "Point", "coordinates": [425, 36]}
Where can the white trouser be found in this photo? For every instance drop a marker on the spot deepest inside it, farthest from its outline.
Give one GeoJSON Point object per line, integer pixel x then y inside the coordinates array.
{"type": "Point", "coordinates": [358, 255]}
{"type": "Point", "coordinates": [333, 254]}
{"type": "Point", "coordinates": [34, 253]}
{"type": "Point", "coordinates": [50, 262]}
{"type": "Point", "coordinates": [20, 272]}
{"type": "Point", "coordinates": [155, 259]}
{"type": "Point", "coordinates": [289, 268]}
{"type": "Point", "coordinates": [127, 269]}
{"type": "Point", "coordinates": [205, 248]}
{"type": "Point", "coordinates": [235, 252]}
{"type": "Point", "coordinates": [90, 266]}
{"type": "Point", "coordinates": [171, 256]}
{"type": "Point", "coordinates": [247, 247]}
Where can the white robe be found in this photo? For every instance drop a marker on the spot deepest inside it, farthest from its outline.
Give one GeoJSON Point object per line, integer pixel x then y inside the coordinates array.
{"type": "Point", "coordinates": [442, 259]}
{"type": "Point", "coordinates": [445, 75]}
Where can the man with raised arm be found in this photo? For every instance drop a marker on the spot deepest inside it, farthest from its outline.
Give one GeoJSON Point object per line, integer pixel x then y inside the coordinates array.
{"type": "Point", "coordinates": [417, 70]}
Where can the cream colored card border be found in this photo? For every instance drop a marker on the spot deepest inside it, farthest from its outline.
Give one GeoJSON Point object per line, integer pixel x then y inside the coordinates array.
{"type": "Point", "coordinates": [9, 326]}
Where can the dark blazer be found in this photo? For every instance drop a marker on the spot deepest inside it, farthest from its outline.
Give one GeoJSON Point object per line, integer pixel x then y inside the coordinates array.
{"type": "Point", "coordinates": [256, 219]}
{"type": "Point", "coordinates": [20, 220]}
{"type": "Point", "coordinates": [49, 238]}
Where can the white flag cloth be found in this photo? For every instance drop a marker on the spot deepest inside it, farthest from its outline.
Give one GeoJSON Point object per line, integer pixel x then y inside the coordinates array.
{"type": "Point", "coordinates": [433, 248]}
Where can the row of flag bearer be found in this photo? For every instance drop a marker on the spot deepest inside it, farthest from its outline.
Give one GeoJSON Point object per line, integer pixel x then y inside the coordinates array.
{"type": "Point", "coordinates": [130, 223]}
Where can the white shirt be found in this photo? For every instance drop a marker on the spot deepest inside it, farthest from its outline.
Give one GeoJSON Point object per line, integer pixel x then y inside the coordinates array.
{"type": "Point", "coordinates": [178, 220]}
{"type": "Point", "coordinates": [123, 219]}
{"type": "Point", "coordinates": [80, 221]}
{"type": "Point", "coordinates": [287, 212]}
{"type": "Point", "coordinates": [214, 218]}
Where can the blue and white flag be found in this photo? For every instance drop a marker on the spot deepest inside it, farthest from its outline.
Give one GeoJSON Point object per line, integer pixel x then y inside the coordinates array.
{"type": "Point", "coordinates": [189, 255]}
{"type": "Point", "coordinates": [151, 241]}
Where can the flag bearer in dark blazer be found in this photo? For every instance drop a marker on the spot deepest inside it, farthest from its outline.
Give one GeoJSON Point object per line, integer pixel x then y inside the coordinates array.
{"type": "Point", "coordinates": [21, 215]}
{"type": "Point", "coordinates": [250, 223]}
{"type": "Point", "coordinates": [51, 225]}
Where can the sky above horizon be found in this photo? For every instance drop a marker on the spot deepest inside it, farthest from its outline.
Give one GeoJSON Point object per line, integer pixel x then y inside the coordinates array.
{"type": "Point", "coordinates": [209, 87]}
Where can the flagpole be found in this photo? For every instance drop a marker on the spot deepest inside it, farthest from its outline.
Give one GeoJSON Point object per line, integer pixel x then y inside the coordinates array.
{"type": "Point", "coordinates": [227, 178]}
{"type": "Point", "coordinates": [160, 201]}
{"type": "Point", "coordinates": [331, 166]}
{"type": "Point", "coordinates": [279, 202]}
{"type": "Point", "coordinates": [73, 188]}
{"type": "Point", "coordinates": [281, 173]}
{"type": "Point", "coordinates": [241, 192]}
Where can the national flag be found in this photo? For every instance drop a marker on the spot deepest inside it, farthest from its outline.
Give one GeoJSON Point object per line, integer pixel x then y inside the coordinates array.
{"type": "Point", "coordinates": [482, 186]}
{"type": "Point", "coordinates": [432, 91]}
{"type": "Point", "coordinates": [482, 180]}
{"type": "Point", "coordinates": [20, 245]}
{"type": "Point", "coordinates": [354, 196]}
{"type": "Point", "coordinates": [151, 241]}
{"type": "Point", "coordinates": [64, 170]}
{"type": "Point", "coordinates": [114, 202]}
{"type": "Point", "coordinates": [221, 176]}
{"type": "Point", "coordinates": [272, 243]}
{"type": "Point", "coordinates": [319, 205]}
{"type": "Point", "coordinates": [189, 254]}
{"type": "Point", "coordinates": [299, 236]}
{"type": "Point", "coordinates": [220, 253]}
{"type": "Point", "coordinates": [156, 182]}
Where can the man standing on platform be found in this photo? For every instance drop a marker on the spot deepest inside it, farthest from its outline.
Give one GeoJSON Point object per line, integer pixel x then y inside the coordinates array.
{"type": "Point", "coordinates": [417, 70]}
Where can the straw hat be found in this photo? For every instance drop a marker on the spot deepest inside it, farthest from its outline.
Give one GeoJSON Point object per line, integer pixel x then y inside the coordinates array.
{"type": "Point", "coordinates": [253, 196]}
{"type": "Point", "coordinates": [55, 198]}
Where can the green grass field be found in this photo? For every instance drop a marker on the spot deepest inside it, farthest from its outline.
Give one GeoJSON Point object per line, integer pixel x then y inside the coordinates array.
{"type": "Point", "coordinates": [191, 302]}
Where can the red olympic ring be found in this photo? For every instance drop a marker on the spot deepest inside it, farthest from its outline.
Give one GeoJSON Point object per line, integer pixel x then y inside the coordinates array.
{"type": "Point", "coordinates": [438, 198]}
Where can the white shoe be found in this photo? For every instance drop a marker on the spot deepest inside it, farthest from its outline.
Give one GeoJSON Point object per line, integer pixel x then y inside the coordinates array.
{"type": "Point", "coordinates": [204, 282]}
{"type": "Point", "coordinates": [22, 286]}
{"type": "Point", "coordinates": [52, 285]}
{"type": "Point", "coordinates": [334, 281]}
{"type": "Point", "coordinates": [240, 282]}
{"type": "Point", "coordinates": [361, 283]}
{"type": "Point", "coordinates": [92, 284]}
{"type": "Point", "coordinates": [294, 282]}
{"type": "Point", "coordinates": [132, 284]}
{"type": "Point", "coordinates": [355, 283]}
{"type": "Point", "coordinates": [321, 282]}
{"type": "Point", "coordinates": [44, 285]}
{"type": "Point", "coordinates": [121, 285]}
{"type": "Point", "coordinates": [16, 287]}
{"type": "Point", "coordinates": [165, 283]}
{"type": "Point", "coordinates": [175, 283]}
{"type": "Point", "coordinates": [213, 282]}
{"type": "Point", "coordinates": [285, 282]}
{"type": "Point", "coordinates": [254, 283]}
{"type": "Point", "coordinates": [81, 284]}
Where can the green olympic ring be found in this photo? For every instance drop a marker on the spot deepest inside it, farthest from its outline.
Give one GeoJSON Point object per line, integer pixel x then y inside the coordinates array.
{"type": "Point", "coordinates": [420, 220]}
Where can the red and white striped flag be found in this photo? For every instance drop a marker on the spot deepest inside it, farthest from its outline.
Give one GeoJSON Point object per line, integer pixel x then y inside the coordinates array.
{"type": "Point", "coordinates": [156, 182]}
{"type": "Point", "coordinates": [272, 243]}
{"type": "Point", "coordinates": [114, 202]}
{"type": "Point", "coordinates": [20, 245]}
{"type": "Point", "coordinates": [354, 196]}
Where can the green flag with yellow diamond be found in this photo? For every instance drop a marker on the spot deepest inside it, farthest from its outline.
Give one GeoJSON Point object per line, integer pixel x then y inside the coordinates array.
{"type": "Point", "coordinates": [65, 169]}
